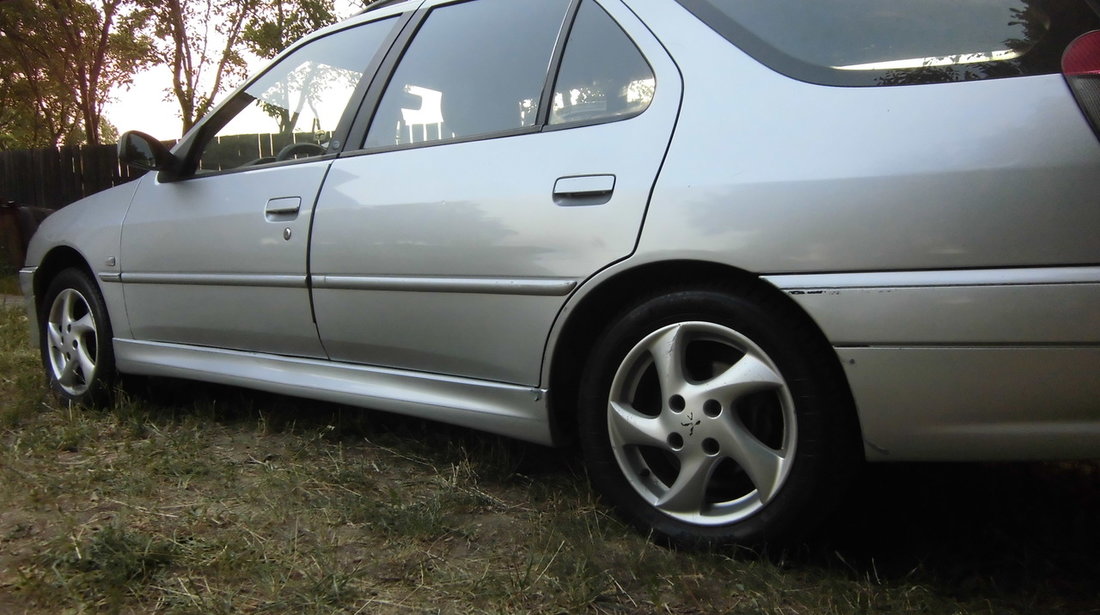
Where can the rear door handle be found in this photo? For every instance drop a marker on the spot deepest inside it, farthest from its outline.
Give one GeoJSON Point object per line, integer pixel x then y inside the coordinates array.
{"type": "Point", "coordinates": [283, 209]}
{"type": "Point", "coordinates": [584, 190]}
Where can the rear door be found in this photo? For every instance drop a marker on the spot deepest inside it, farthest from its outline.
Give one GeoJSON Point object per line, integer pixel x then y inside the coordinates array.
{"type": "Point", "coordinates": [487, 186]}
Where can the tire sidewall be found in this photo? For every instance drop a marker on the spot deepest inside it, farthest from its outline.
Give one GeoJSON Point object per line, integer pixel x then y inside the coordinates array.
{"type": "Point", "coordinates": [789, 511]}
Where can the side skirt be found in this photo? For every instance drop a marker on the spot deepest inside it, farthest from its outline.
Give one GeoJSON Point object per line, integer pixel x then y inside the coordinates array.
{"type": "Point", "coordinates": [506, 409]}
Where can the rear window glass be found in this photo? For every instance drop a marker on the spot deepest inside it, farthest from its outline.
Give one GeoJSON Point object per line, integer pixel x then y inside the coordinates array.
{"type": "Point", "coordinates": [900, 42]}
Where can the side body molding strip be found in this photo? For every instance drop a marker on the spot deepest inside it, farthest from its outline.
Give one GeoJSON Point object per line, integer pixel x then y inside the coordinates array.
{"type": "Point", "coordinates": [545, 287]}
{"type": "Point", "coordinates": [959, 277]}
{"type": "Point", "coordinates": [215, 279]}
{"type": "Point", "coordinates": [981, 307]}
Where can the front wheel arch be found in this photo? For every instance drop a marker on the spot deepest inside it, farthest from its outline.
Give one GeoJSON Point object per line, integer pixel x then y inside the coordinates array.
{"type": "Point", "coordinates": [75, 338]}
{"type": "Point", "coordinates": [54, 262]}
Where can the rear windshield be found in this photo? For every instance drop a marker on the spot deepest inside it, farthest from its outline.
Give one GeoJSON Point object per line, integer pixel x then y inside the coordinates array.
{"type": "Point", "coordinates": [900, 42]}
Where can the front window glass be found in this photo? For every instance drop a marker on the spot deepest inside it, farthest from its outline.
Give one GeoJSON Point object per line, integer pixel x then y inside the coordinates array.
{"type": "Point", "coordinates": [474, 68]}
{"type": "Point", "coordinates": [291, 111]}
{"type": "Point", "coordinates": [603, 76]}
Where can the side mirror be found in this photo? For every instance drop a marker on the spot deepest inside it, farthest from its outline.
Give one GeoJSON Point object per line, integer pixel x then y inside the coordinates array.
{"type": "Point", "coordinates": [141, 151]}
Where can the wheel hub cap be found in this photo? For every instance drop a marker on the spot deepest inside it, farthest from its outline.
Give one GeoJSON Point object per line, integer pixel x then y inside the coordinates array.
{"type": "Point", "coordinates": [71, 342]}
{"type": "Point", "coordinates": [701, 423]}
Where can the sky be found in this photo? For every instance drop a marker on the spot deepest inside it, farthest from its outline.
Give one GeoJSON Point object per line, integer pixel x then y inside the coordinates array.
{"type": "Point", "coordinates": [145, 105]}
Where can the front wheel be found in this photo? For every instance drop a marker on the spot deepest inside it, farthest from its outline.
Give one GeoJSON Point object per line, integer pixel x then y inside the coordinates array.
{"type": "Point", "coordinates": [76, 339]}
{"type": "Point", "coordinates": [708, 419]}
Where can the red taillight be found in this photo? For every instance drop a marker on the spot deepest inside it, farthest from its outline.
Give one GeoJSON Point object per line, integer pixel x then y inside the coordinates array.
{"type": "Point", "coordinates": [1081, 66]}
{"type": "Point", "coordinates": [1082, 57]}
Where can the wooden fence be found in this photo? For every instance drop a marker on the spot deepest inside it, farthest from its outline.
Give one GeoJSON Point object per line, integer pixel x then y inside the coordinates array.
{"type": "Point", "coordinates": [54, 177]}
{"type": "Point", "coordinates": [35, 182]}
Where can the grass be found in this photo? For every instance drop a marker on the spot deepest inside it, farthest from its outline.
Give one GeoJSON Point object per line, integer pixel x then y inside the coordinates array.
{"type": "Point", "coordinates": [9, 285]}
{"type": "Point", "coordinates": [185, 498]}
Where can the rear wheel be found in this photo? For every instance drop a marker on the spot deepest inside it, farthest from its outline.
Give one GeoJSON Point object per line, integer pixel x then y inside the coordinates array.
{"type": "Point", "coordinates": [76, 339]}
{"type": "Point", "coordinates": [707, 419]}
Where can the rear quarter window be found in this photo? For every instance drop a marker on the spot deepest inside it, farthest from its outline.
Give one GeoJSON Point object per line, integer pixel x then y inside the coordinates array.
{"type": "Point", "coordinates": [900, 42]}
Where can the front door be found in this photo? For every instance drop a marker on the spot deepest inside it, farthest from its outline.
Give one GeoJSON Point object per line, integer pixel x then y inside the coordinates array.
{"type": "Point", "coordinates": [218, 256]}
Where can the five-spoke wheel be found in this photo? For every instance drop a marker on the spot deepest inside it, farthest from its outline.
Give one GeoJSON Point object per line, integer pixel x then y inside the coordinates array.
{"type": "Point", "coordinates": [76, 338]}
{"type": "Point", "coordinates": [701, 423]}
{"type": "Point", "coordinates": [705, 419]}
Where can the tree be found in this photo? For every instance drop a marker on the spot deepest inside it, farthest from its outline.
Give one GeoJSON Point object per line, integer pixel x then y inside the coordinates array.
{"type": "Point", "coordinates": [34, 110]}
{"type": "Point", "coordinates": [189, 31]}
{"type": "Point", "coordinates": [203, 41]}
{"type": "Point", "coordinates": [282, 23]}
{"type": "Point", "coordinates": [62, 59]}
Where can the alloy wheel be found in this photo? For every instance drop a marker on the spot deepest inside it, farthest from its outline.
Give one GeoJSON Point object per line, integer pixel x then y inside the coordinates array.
{"type": "Point", "coordinates": [72, 344]}
{"type": "Point", "coordinates": [701, 423]}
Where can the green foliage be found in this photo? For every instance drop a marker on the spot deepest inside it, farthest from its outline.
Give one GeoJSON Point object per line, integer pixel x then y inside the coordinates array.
{"type": "Point", "coordinates": [60, 60]}
{"type": "Point", "coordinates": [20, 381]}
{"type": "Point", "coordinates": [202, 42]}
{"type": "Point", "coordinates": [9, 284]}
{"type": "Point", "coordinates": [110, 564]}
{"type": "Point", "coordinates": [35, 109]}
{"type": "Point", "coordinates": [278, 24]}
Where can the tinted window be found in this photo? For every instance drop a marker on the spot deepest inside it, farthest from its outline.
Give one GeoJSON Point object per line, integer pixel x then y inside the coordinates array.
{"type": "Point", "coordinates": [899, 42]}
{"type": "Point", "coordinates": [603, 75]}
{"type": "Point", "coordinates": [472, 69]}
{"type": "Point", "coordinates": [293, 108]}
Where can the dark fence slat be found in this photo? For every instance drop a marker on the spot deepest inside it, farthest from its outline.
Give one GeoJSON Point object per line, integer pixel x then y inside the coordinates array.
{"type": "Point", "coordinates": [53, 177]}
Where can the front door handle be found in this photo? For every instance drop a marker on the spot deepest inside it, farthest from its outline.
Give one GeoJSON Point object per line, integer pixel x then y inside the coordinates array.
{"type": "Point", "coordinates": [283, 209]}
{"type": "Point", "coordinates": [584, 190]}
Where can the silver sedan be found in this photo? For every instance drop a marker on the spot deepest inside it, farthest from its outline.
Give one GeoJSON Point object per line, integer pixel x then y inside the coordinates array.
{"type": "Point", "coordinates": [733, 248]}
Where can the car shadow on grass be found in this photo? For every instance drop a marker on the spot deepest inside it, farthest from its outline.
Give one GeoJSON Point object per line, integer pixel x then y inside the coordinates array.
{"type": "Point", "coordinates": [273, 413]}
{"type": "Point", "coordinates": [1020, 534]}
{"type": "Point", "coordinates": [1026, 532]}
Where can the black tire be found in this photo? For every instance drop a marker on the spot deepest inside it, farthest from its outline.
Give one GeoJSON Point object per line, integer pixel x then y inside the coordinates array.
{"type": "Point", "coordinates": [768, 444]}
{"type": "Point", "coordinates": [75, 339]}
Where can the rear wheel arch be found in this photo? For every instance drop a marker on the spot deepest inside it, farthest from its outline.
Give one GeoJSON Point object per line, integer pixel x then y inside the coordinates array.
{"type": "Point", "coordinates": [710, 302]}
{"type": "Point", "coordinates": [603, 304]}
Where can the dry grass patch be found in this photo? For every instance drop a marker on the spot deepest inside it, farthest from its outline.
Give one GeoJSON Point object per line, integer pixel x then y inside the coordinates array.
{"type": "Point", "coordinates": [185, 498]}
{"type": "Point", "coordinates": [9, 284]}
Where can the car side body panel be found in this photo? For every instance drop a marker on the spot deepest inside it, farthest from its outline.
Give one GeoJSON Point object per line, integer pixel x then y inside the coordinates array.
{"type": "Point", "coordinates": [972, 364]}
{"type": "Point", "coordinates": [976, 403]}
{"type": "Point", "coordinates": [773, 175]}
{"type": "Point", "coordinates": [461, 268]}
{"type": "Point", "coordinates": [897, 217]}
{"type": "Point", "coordinates": [994, 307]}
{"type": "Point", "coordinates": [92, 227]}
{"type": "Point", "coordinates": [237, 281]}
